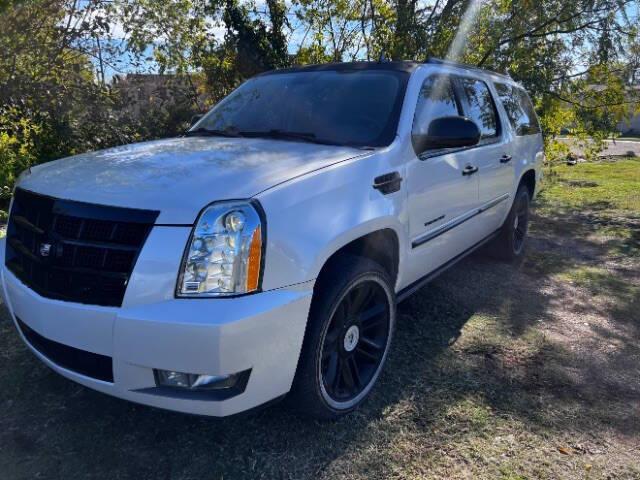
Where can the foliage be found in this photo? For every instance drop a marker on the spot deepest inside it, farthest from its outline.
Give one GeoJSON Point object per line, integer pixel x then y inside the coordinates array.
{"type": "Point", "coordinates": [576, 58]}
{"type": "Point", "coordinates": [16, 148]}
{"type": "Point", "coordinates": [38, 75]}
{"type": "Point", "coordinates": [55, 100]}
{"type": "Point", "coordinates": [250, 45]}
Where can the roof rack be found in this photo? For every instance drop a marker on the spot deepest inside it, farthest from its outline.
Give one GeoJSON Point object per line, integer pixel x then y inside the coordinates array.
{"type": "Point", "coordinates": [440, 61]}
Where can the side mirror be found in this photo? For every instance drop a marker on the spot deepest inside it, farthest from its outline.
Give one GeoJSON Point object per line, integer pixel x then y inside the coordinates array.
{"type": "Point", "coordinates": [447, 132]}
{"type": "Point", "coordinates": [196, 118]}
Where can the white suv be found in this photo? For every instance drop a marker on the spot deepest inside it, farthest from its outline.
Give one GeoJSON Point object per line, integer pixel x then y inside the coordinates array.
{"type": "Point", "coordinates": [263, 253]}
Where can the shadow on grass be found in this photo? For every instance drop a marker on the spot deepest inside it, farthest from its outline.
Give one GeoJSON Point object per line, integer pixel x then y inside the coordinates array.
{"type": "Point", "coordinates": [57, 428]}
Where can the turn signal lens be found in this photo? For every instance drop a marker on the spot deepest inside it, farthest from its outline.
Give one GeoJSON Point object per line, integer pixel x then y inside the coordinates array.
{"type": "Point", "coordinates": [255, 256]}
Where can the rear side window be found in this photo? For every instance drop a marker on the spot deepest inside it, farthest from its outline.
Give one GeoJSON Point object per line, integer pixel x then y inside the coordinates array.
{"type": "Point", "coordinates": [437, 99]}
{"type": "Point", "coordinates": [519, 109]}
{"type": "Point", "coordinates": [479, 106]}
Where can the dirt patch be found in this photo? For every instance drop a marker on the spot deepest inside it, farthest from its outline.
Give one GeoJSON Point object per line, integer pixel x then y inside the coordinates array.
{"type": "Point", "coordinates": [579, 183]}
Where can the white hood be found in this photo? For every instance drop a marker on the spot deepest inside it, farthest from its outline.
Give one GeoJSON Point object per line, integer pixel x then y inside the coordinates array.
{"type": "Point", "coordinates": [180, 176]}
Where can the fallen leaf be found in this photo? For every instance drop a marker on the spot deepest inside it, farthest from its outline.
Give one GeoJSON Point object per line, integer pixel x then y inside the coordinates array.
{"type": "Point", "coordinates": [564, 451]}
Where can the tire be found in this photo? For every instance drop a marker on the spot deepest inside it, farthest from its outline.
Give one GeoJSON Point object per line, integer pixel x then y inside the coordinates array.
{"type": "Point", "coordinates": [509, 245]}
{"type": "Point", "coordinates": [349, 331]}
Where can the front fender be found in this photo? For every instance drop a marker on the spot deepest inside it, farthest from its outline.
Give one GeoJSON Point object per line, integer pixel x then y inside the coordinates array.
{"type": "Point", "coordinates": [311, 217]}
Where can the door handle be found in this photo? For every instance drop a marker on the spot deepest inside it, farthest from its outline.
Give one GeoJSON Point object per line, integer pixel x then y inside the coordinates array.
{"type": "Point", "coordinates": [469, 170]}
{"type": "Point", "coordinates": [505, 159]}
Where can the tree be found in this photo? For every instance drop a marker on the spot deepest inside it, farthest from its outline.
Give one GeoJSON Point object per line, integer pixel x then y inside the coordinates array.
{"type": "Point", "coordinates": [49, 92]}
{"type": "Point", "coordinates": [55, 99]}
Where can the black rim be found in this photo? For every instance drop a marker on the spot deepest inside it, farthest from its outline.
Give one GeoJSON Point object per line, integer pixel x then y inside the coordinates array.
{"type": "Point", "coordinates": [520, 230]}
{"type": "Point", "coordinates": [349, 359]}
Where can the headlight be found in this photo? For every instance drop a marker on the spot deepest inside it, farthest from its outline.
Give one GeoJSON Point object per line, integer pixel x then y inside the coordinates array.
{"type": "Point", "coordinates": [224, 254]}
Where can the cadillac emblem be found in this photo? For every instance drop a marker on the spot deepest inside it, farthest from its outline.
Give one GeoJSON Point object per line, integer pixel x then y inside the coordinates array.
{"type": "Point", "coordinates": [45, 249]}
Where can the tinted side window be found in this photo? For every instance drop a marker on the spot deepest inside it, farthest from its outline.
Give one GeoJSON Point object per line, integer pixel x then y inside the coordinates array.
{"type": "Point", "coordinates": [533, 126]}
{"type": "Point", "coordinates": [479, 106]}
{"type": "Point", "coordinates": [437, 99]}
{"type": "Point", "coordinates": [519, 109]}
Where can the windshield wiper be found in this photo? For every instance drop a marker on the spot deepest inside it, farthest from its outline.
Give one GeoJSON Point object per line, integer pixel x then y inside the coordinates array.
{"type": "Point", "coordinates": [208, 132]}
{"type": "Point", "coordinates": [287, 135]}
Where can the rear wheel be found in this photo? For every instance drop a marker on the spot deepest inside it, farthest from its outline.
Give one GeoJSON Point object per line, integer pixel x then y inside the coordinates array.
{"type": "Point", "coordinates": [510, 242]}
{"type": "Point", "coordinates": [348, 336]}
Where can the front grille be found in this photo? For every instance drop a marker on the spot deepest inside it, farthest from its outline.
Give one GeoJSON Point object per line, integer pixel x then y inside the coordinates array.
{"type": "Point", "coordinates": [74, 251]}
{"type": "Point", "coordinates": [86, 363]}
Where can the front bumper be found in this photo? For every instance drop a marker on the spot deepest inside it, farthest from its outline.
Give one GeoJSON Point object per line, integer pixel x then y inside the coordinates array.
{"type": "Point", "coordinates": [152, 330]}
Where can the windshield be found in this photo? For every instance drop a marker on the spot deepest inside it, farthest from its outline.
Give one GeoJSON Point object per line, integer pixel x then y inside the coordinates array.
{"type": "Point", "coordinates": [357, 108]}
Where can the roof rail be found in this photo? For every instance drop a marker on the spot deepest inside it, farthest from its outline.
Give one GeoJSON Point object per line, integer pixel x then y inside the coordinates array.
{"type": "Point", "coordinates": [440, 61]}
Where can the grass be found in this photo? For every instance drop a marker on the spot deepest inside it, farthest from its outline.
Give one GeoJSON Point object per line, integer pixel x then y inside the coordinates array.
{"type": "Point", "coordinates": [523, 371]}
{"type": "Point", "coordinates": [599, 185]}
{"type": "Point", "coordinates": [599, 201]}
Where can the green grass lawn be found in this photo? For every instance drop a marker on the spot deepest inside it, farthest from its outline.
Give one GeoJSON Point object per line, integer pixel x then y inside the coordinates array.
{"type": "Point", "coordinates": [498, 371]}
{"type": "Point", "coordinates": [606, 184]}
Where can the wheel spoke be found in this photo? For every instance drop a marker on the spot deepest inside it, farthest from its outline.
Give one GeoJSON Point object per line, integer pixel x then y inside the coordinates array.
{"type": "Point", "coordinates": [372, 314]}
{"type": "Point", "coordinates": [341, 315]}
{"type": "Point", "coordinates": [372, 322]}
{"type": "Point", "coordinates": [347, 376]}
{"type": "Point", "coordinates": [360, 297]}
{"type": "Point", "coordinates": [331, 340]}
{"type": "Point", "coordinates": [371, 343]}
{"type": "Point", "coordinates": [345, 306]}
{"type": "Point", "coordinates": [331, 371]}
{"type": "Point", "coordinates": [355, 371]}
{"type": "Point", "coordinates": [335, 385]}
{"type": "Point", "coordinates": [366, 355]}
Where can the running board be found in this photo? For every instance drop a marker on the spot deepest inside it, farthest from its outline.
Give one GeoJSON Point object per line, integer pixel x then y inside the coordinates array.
{"type": "Point", "coordinates": [406, 292]}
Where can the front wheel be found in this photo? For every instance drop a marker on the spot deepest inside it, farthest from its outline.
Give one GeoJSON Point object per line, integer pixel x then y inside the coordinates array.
{"type": "Point", "coordinates": [347, 340]}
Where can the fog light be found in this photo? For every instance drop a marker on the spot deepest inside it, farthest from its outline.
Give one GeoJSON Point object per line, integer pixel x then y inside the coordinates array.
{"type": "Point", "coordinates": [194, 381]}
{"type": "Point", "coordinates": [168, 378]}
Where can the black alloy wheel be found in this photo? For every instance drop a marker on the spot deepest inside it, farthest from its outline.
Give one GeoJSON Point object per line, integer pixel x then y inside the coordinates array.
{"type": "Point", "coordinates": [520, 224]}
{"type": "Point", "coordinates": [348, 336]}
{"type": "Point", "coordinates": [355, 342]}
{"type": "Point", "coordinates": [510, 242]}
